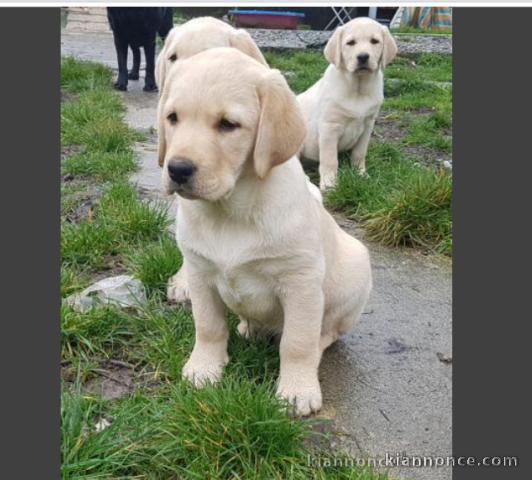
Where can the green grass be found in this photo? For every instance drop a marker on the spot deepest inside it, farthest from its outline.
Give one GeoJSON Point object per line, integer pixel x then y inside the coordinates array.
{"type": "Point", "coordinates": [301, 69]}
{"type": "Point", "coordinates": [155, 263]}
{"type": "Point", "coordinates": [432, 131]}
{"type": "Point", "coordinates": [236, 430]}
{"type": "Point", "coordinates": [402, 203]}
{"type": "Point", "coordinates": [121, 220]}
{"type": "Point", "coordinates": [78, 76]}
{"type": "Point", "coordinates": [103, 166]}
{"type": "Point", "coordinates": [419, 30]}
{"type": "Point", "coordinates": [424, 66]}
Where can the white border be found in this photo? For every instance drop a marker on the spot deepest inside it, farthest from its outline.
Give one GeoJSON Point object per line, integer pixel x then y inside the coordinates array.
{"type": "Point", "coordinates": [234, 3]}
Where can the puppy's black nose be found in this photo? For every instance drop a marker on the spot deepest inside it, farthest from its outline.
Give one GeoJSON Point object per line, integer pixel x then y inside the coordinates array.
{"type": "Point", "coordinates": [180, 170]}
{"type": "Point", "coordinates": [363, 57]}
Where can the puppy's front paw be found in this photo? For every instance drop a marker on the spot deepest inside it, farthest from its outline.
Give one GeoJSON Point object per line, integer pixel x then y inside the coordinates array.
{"type": "Point", "coordinates": [327, 181]}
{"type": "Point", "coordinates": [243, 328]}
{"type": "Point", "coordinates": [304, 395]}
{"type": "Point", "coordinates": [201, 370]}
{"type": "Point", "coordinates": [177, 290]}
{"type": "Point", "coordinates": [363, 173]}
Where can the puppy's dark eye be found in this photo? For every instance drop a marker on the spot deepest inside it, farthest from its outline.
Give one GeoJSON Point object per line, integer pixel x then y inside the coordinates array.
{"type": "Point", "coordinates": [172, 118]}
{"type": "Point", "coordinates": [225, 125]}
{"type": "Point", "coordinates": [351, 43]}
{"type": "Point", "coordinates": [374, 41]}
{"type": "Point", "coordinates": [173, 58]}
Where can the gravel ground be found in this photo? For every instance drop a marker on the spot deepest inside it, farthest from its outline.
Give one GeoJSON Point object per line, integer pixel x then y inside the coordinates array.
{"type": "Point", "coordinates": [301, 39]}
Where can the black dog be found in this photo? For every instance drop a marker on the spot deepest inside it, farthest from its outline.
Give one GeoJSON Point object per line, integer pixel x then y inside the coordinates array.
{"type": "Point", "coordinates": [137, 27]}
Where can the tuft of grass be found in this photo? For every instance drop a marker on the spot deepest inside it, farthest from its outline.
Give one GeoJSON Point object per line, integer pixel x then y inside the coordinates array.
{"type": "Point", "coordinates": [102, 166]}
{"type": "Point", "coordinates": [238, 430]}
{"type": "Point", "coordinates": [400, 203]}
{"type": "Point", "coordinates": [100, 331]}
{"type": "Point", "coordinates": [121, 219]}
{"type": "Point", "coordinates": [418, 216]}
{"type": "Point", "coordinates": [80, 76]}
{"type": "Point", "coordinates": [154, 263]}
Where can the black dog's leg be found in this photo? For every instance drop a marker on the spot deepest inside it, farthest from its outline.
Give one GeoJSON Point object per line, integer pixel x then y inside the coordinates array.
{"type": "Point", "coordinates": [134, 72]}
{"type": "Point", "coordinates": [121, 53]}
{"type": "Point", "coordinates": [149, 52]}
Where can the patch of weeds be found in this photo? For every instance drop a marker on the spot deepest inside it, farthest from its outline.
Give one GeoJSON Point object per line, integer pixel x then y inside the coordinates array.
{"type": "Point", "coordinates": [99, 331]}
{"type": "Point", "coordinates": [154, 263]}
{"type": "Point", "coordinates": [165, 336]}
{"type": "Point", "coordinates": [120, 220]}
{"type": "Point", "coordinates": [103, 166]}
{"type": "Point", "coordinates": [79, 76]}
{"type": "Point", "coordinates": [432, 131]}
{"type": "Point", "coordinates": [401, 203]}
{"type": "Point", "coordinates": [94, 120]}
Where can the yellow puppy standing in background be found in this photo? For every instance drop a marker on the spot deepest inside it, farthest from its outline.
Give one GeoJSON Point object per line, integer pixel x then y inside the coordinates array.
{"type": "Point", "coordinates": [340, 109]}
{"type": "Point", "coordinates": [255, 238]}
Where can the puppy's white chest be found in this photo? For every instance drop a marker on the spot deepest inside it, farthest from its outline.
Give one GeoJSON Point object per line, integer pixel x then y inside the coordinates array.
{"type": "Point", "coordinates": [248, 292]}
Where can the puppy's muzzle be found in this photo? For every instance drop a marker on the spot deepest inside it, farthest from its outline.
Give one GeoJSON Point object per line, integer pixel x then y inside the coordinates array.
{"type": "Point", "coordinates": [181, 170]}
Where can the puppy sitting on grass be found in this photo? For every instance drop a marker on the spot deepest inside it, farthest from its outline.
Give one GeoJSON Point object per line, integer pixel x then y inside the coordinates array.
{"type": "Point", "coordinates": [340, 109]}
{"type": "Point", "coordinates": [255, 238]}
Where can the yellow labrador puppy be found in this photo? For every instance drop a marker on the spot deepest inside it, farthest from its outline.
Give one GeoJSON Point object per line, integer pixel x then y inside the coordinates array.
{"type": "Point", "coordinates": [255, 238]}
{"type": "Point", "coordinates": [198, 35]}
{"type": "Point", "coordinates": [340, 109]}
{"type": "Point", "coordinates": [182, 42]}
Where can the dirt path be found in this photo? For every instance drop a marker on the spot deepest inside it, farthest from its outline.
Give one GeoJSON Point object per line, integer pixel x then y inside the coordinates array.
{"type": "Point", "coordinates": [386, 386]}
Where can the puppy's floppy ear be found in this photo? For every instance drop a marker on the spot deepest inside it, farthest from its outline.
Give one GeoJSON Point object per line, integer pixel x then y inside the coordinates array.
{"type": "Point", "coordinates": [162, 60]}
{"type": "Point", "coordinates": [241, 40]}
{"type": "Point", "coordinates": [281, 128]}
{"type": "Point", "coordinates": [160, 130]}
{"type": "Point", "coordinates": [389, 47]}
{"type": "Point", "coordinates": [333, 49]}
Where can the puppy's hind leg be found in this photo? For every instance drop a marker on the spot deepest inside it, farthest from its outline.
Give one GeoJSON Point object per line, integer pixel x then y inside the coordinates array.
{"type": "Point", "coordinates": [359, 152]}
{"type": "Point", "coordinates": [134, 72]}
{"type": "Point", "coordinates": [177, 290]}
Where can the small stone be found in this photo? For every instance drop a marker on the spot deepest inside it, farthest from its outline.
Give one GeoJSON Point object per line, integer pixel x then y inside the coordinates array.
{"type": "Point", "coordinates": [122, 290]}
{"type": "Point", "coordinates": [447, 359]}
{"type": "Point", "coordinates": [447, 165]}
